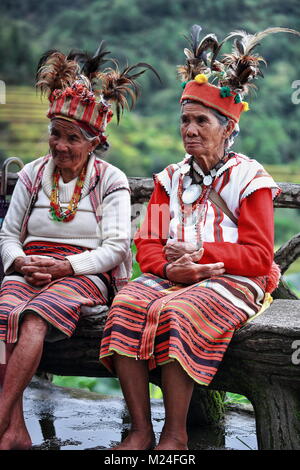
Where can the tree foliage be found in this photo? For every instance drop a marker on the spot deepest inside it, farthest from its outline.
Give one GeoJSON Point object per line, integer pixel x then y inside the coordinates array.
{"type": "Point", "coordinates": [154, 31]}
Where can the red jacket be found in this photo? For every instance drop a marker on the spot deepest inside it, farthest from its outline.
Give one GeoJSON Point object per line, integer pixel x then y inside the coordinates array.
{"type": "Point", "coordinates": [251, 256]}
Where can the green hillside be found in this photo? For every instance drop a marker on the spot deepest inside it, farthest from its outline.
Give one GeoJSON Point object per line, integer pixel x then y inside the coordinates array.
{"type": "Point", "coordinates": [151, 31]}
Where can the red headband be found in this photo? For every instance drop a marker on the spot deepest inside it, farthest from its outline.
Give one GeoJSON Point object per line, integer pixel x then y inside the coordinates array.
{"type": "Point", "coordinates": [219, 98]}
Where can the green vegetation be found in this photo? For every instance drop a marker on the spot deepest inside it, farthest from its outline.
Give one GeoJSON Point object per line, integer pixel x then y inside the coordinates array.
{"type": "Point", "coordinates": [148, 139]}
{"type": "Point", "coordinates": [151, 31]}
{"type": "Point", "coordinates": [236, 398]}
{"type": "Point", "coordinates": [107, 386]}
{"type": "Point", "coordinates": [110, 386]}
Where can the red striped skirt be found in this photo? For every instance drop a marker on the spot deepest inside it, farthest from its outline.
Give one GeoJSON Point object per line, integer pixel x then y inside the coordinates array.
{"type": "Point", "coordinates": [59, 302]}
{"type": "Point", "coordinates": [194, 327]}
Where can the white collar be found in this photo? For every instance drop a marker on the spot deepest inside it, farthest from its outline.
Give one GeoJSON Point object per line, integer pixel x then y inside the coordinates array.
{"type": "Point", "coordinates": [230, 162]}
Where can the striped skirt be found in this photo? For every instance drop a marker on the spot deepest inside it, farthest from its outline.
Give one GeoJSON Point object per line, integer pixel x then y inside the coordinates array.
{"type": "Point", "coordinates": [59, 303]}
{"type": "Point", "coordinates": [153, 320]}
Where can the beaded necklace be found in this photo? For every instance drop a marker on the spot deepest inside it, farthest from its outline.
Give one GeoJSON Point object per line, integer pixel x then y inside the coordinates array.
{"type": "Point", "coordinates": [195, 208]}
{"type": "Point", "coordinates": [65, 215]}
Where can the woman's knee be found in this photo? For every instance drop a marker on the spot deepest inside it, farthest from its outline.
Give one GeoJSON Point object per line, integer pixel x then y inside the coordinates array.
{"type": "Point", "coordinates": [34, 323]}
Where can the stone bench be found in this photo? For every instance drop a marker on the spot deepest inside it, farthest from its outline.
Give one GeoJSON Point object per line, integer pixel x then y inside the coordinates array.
{"type": "Point", "coordinates": [262, 361]}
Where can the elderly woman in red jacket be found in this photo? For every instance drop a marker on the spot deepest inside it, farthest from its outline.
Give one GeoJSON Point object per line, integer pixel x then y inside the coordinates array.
{"type": "Point", "coordinates": [205, 250]}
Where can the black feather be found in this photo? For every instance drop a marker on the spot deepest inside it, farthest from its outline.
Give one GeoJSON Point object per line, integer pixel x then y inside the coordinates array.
{"type": "Point", "coordinates": [78, 56]}
{"type": "Point", "coordinates": [89, 64]}
{"type": "Point", "coordinates": [140, 64]}
{"type": "Point", "coordinates": [203, 56]}
{"type": "Point", "coordinates": [239, 45]}
{"type": "Point", "coordinates": [195, 36]}
{"type": "Point", "coordinates": [44, 58]}
{"type": "Point", "coordinates": [94, 64]}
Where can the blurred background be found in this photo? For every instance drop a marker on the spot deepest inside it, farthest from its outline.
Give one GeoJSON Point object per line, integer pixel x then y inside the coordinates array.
{"type": "Point", "coordinates": [154, 31]}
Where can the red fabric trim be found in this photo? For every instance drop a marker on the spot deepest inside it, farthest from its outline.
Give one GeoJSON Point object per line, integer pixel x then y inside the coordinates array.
{"type": "Point", "coordinates": [150, 251]}
{"type": "Point", "coordinates": [209, 95]}
{"type": "Point", "coordinates": [58, 105]}
{"type": "Point", "coordinates": [88, 112]}
{"type": "Point", "coordinates": [74, 103]}
{"type": "Point", "coordinates": [225, 179]}
{"type": "Point", "coordinates": [253, 254]}
{"type": "Point", "coordinates": [218, 218]}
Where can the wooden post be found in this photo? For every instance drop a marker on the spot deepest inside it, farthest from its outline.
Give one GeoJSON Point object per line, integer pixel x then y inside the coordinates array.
{"type": "Point", "coordinates": [277, 411]}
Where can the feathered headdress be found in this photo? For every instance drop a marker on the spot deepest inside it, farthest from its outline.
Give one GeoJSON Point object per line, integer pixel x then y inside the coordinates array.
{"type": "Point", "coordinates": [118, 86]}
{"type": "Point", "coordinates": [201, 58]}
{"type": "Point", "coordinates": [79, 90]}
{"type": "Point", "coordinates": [242, 66]}
{"type": "Point", "coordinates": [227, 80]}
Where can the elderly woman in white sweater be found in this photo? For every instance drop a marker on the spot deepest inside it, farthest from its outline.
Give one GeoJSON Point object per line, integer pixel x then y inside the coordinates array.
{"type": "Point", "coordinates": [65, 242]}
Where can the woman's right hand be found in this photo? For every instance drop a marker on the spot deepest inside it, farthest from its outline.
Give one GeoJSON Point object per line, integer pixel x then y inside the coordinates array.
{"type": "Point", "coordinates": [19, 263]}
{"type": "Point", "coordinates": [42, 270]}
{"type": "Point", "coordinates": [37, 274]}
{"type": "Point", "coordinates": [186, 270]}
{"type": "Point", "coordinates": [174, 250]}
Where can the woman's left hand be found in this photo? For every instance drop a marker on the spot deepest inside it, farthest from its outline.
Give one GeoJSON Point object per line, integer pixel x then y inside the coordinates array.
{"type": "Point", "coordinates": [187, 270]}
{"type": "Point", "coordinates": [174, 250]}
{"type": "Point", "coordinates": [40, 271]}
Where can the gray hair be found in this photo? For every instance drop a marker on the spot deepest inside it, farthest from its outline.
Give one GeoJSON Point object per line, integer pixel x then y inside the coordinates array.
{"type": "Point", "coordinates": [223, 121]}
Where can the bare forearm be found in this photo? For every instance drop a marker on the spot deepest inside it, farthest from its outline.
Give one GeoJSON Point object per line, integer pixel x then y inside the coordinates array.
{"type": "Point", "coordinates": [63, 269]}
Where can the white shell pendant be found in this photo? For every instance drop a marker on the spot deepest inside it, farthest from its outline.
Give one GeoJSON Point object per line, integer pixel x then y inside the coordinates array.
{"type": "Point", "coordinates": [207, 180]}
{"type": "Point", "coordinates": [191, 194]}
{"type": "Point", "coordinates": [187, 181]}
{"type": "Point", "coordinates": [185, 169]}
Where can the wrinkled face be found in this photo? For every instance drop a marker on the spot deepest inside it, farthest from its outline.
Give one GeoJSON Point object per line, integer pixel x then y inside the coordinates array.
{"type": "Point", "coordinates": [68, 146]}
{"type": "Point", "coordinates": [202, 134]}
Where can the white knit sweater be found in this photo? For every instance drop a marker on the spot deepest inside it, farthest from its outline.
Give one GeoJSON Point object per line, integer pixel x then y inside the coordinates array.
{"type": "Point", "coordinates": [109, 241]}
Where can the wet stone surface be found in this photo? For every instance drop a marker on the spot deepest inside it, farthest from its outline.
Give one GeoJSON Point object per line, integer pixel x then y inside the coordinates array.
{"type": "Point", "coordinates": [72, 419]}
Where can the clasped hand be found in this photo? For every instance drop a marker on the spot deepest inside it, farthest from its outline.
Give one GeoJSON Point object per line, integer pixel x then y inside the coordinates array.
{"type": "Point", "coordinates": [39, 271]}
{"type": "Point", "coordinates": [184, 267]}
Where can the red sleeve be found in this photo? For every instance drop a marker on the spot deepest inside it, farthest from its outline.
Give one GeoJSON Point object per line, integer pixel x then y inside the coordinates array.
{"type": "Point", "coordinates": [253, 254]}
{"type": "Point", "coordinates": [152, 236]}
